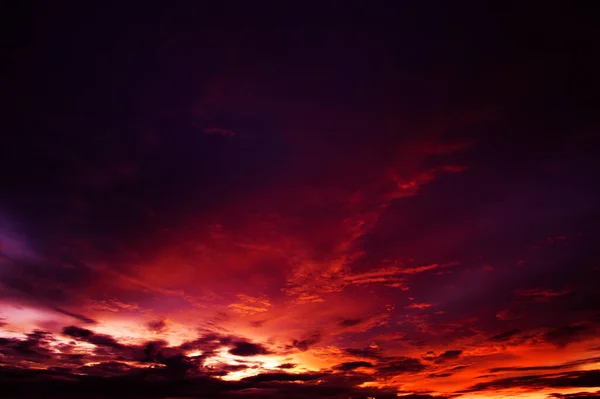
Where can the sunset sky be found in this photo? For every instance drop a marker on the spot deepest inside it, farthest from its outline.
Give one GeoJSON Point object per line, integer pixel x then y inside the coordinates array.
{"type": "Point", "coordinates": [319, 200]}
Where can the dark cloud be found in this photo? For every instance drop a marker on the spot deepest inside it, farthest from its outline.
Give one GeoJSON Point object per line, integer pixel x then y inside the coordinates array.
{"type": "Point", "coordinates": [349, 366]}
{"type": "Point", "coordinates": [152, 351]}
{"type": "Point", "coordinates": [287, 366]}
{"type": "Point", "coordinates": [270, 377]}
{"type": "Point", "coordinates": [350, 322]}
{"type": "Point", "coordinates": [448, 355]}
{"type": "Point", "coordinates": [505, 336]}
{"type": "Point", "coordinates": [55, 283]}
{"type": "Point", "coordinates": [423, 396]}
{"type": "Point", "coordinates": [565, 335]}
{"type": "Point", "coordinates": [440, 375]}
{"type": "Point", "coordinates": [573, 379]}
{"type": "Point", "coordinates": [157, 325]}
{"type": "Point", "coordinates": [228, 368]}
{"type": "Point", "coordinates": [369, 353]}
{"type": "Point", "coordinates": [585, 395]}
{"type": "Point", "coordinates": [305, 343]}
{"type": "Point", "coordinates": [34, 348]}
{"type": "Point", "coordinates": [594, 349]}
{"type": "Point", "coordinates": [105, 381]}
{"type": "Point", "coordinates": [442, 358]}
{"type": "Point", "coordinates": [172, 374]}
{"type": "Point", "coordinates": [175, 362]}
{"type": "Point", "coordinates": [77, 316]}
{"type": "Point", "coordinates": [106, 369]}
{"type": "Point", "coordinates": [244, 348]}
{"type": "Point", "coordinates": [91, 337]}
{"type": "Point", "coordinates": [400, 365]}
{"type": "Point", "coordinates": [178, 364]}
{"type": "Point", "coordinates": [172, 358]}
{"type": "Point", "coordinates": [567, 365]}
{"type": "Point", "coordinates": [207, 342]}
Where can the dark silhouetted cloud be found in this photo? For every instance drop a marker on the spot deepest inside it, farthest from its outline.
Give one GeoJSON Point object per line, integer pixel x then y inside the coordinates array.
{"type": "Point", "coordinates": [573, 379]}
{"type": "Point", "coordinates": [242, 348]}
{"type": "Point", "coordinates": [349, 366]}
{"type": "Point", "coordinates": [505, 336]}
{"type": "Point", "coordinates": [565, 335]}
{"type": "Point", "coordinates": [287, 366]}
{"type": "Point", "coordinates": [305, 343]}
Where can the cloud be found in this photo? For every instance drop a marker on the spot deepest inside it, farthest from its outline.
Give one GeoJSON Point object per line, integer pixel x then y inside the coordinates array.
{"type": "Point", "coordinates": [224, 369]}
{"type": "Point", "coordinates": [349, 366]}
{"type": "Point", "coordinates": [77, 316]}
{"type": "Point", "coordinates": [541, 294]}
{"type": "Point", "coordinates": [512, 313]}
{"type": "Point", "coordinates": [400, 365]}
{"type": "Point", "coordinates": [158, 326]}
{"type": "Point", "coordinates": [91, 337]}
{"type": "Point", "coordinates": [112, 354]}
{"type": "Point", "coordinates": [573, 379]}
{"type": "Point", "coordinates": [287, 366]}
{"type": "Point", "coordinates": [112, 305]}
{"type": "Point", "coordinates": [48, 284]}
{"type": "Point", "coordinates": [305, 343]}
{"type": "Point", "coordinates": [505, 336]}
{"type": "Point", "coordinates": [106, 369]}
{"type": "Point", "coordinates": [585, 395]}
{"type": "Point", "coordinates": [392, 276]}
{"type": "Point", "coordinates": [389, 276]}
{"type": "Point", "coordinates": [263, 198]}
{"type": "Point", "coordinates": [418, 306]}
{"type": "Point", "coordinates": [270, 377]}
{"type": "Point", "coordinates": [35, 348]}
{"type": "Point", "coordinates": [440, 375]}
{"type": "Point", "coordinates": [178, 364]}
{"type": "Point", "coordinates": [243, 348]}
{"type": "Point", "coordinates": [104, 380]}
{"type": "Point", "coordinates": [249, 305]}
{"type": "Point", "coordinates": [565, 335]}
{"type": "Point", "coordinates": [444, 357]}
{"type": "Point", "coordinates": [566, 365]}
{"type": "Point", "coordinates": [208, 343]}
{"type": "Point", "coordinates": [448, 355]}
{"type": "Point", "coordinates": [423, 396]}
{"type": "Point", "coordinates": [369, 353]}
{"type": "Point", "coordinates": [350, 322]}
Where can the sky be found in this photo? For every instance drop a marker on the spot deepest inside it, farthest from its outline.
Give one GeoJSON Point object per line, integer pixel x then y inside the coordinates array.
{"type": "Point", "coordinates": [300, 200]}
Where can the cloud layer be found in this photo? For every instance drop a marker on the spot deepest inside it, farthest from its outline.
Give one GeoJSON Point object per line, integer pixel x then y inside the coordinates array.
{"type": "Point", "coordinates": [349, 202]}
